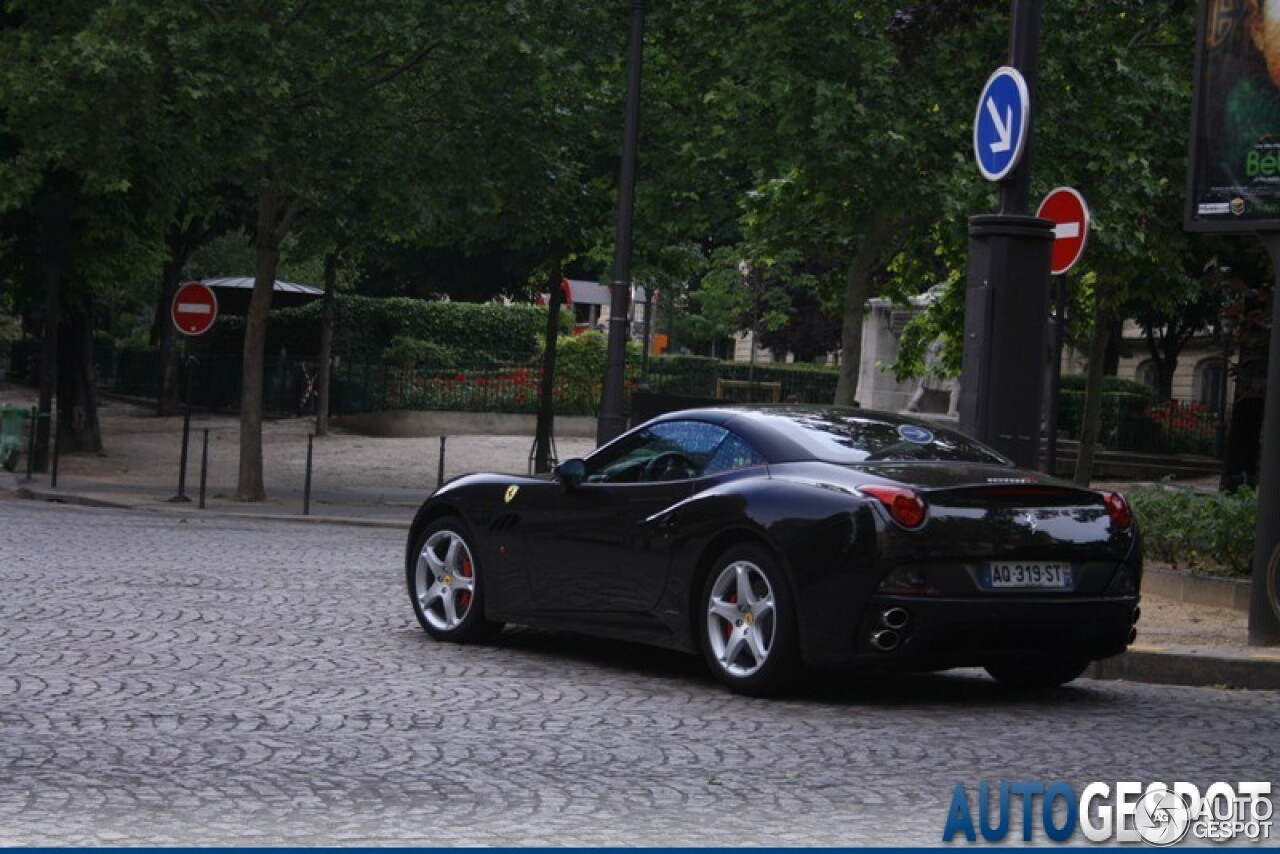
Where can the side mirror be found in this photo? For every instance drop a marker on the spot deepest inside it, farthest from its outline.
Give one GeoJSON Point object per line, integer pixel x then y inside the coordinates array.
{"type": "Point", "coordinates": [571, 472]}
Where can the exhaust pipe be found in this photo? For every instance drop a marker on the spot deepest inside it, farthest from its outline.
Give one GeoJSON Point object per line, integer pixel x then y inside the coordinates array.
{"type": "Point", "coordinates": [885, 640]}
{"type": "Point", "coordinates": [895, 618]}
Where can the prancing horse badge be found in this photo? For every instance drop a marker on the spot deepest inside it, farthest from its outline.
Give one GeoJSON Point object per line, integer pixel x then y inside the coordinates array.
{"type": "Point", "coordinates": [511, 493]}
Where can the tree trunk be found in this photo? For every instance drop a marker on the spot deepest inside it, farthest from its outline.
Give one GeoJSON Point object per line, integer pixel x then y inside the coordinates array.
{"type": "Point", "coordinates": [1093, 391]}
{"type": "Point", "coordinates": [77, 423]}
{"type": "Point", "coordinates": [250, 485]}
{"type": "Point", "coordinates": [857, 290]}
{"type": "Point", "coordinates": [326, 344]}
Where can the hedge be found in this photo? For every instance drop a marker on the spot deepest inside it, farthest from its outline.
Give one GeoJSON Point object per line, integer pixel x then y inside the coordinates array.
{"type": "Point", "coordinates": [364, 327]}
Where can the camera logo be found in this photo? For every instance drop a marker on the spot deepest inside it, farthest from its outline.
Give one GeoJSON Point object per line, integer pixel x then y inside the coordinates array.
{"type": "Point", "coordinates": [1162, 817]}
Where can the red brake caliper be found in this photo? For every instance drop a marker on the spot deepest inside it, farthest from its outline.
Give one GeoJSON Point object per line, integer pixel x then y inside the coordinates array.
{"type": "Point", "coordinates": [726, 626]}
{"type": "Point", "coordinates": [464, 596]}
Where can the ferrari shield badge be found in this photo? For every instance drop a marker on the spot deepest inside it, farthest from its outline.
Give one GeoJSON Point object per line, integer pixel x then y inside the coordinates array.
{"type": "Point", "coordinates": [511, 493]}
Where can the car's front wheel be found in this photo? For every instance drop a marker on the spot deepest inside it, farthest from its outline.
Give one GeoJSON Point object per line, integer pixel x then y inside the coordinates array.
{"type": "Point", "coordinates": [748, 625]}
{"type": "Point", "coordinates": [446, 585]}
{"type": "Point", "coordinates": [1036, 676]}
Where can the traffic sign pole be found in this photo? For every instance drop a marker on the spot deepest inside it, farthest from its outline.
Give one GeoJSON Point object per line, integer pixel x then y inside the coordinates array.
{"type": "Point", "coordinates": [1007, 292]}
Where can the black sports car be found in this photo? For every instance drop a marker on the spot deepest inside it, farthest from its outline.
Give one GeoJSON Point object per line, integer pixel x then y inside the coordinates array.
{"type": "Point", "coordinates": [769, 538]}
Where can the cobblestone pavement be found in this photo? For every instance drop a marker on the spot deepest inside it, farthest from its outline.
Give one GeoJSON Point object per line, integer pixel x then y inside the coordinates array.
{"type": "Point", "coordinates": [199, 680]}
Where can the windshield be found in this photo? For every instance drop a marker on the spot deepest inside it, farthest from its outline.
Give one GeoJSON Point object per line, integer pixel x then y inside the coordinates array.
{"type": "Point", "coordinates": [852, 437]}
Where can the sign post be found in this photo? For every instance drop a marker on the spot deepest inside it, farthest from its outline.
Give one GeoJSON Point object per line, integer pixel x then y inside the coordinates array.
{"type": "Point", "coordinates": [1007, 290]}
{"type": "Point", "coordinates": [194, 309]}
{"type": "Point", "coordinates": [1066, 209]}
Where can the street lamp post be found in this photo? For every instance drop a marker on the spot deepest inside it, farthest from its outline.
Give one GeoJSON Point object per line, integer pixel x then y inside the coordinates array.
{"type": "Point", "coordinates": [612, 421]}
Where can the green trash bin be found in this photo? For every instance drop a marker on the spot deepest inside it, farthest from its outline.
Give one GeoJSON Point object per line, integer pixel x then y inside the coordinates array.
{"type": "Point", "coordinates": [13, 434]}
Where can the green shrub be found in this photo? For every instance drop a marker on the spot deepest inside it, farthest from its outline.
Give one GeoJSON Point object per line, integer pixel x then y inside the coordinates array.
{"type": "Point", "coordinates": [1212, 532]}
{"type": "Point", "coordinates": [406, 352]}
{"type": "Point", "coordinates": [364, 327]}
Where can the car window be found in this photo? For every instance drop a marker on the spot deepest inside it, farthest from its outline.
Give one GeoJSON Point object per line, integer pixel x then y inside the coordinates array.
{"type": "Point", "coordinates": [840, 437]}
{"type": "Point", "coordinates": [672, 450]}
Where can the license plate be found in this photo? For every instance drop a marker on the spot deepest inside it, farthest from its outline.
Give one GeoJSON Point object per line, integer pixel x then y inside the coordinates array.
{"type": "Point", "coordinates": [1010, 574]}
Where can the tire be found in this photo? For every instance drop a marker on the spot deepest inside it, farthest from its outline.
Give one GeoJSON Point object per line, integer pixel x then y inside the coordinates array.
{"type": "Point", "coordinates": [1038, 676]}
{"type": "Point", "coordinates": [446, 584]}
{"type": "Point", "coordinates": [746, 623]}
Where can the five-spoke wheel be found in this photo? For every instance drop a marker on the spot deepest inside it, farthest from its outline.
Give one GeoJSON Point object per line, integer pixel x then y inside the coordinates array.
{"type": "Point", "coordinates": [749, 635]}
{"type": "Point", "coordinates": [445, 584]}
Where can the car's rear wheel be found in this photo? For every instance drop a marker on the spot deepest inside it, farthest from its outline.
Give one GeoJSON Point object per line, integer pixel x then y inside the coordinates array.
{"type": "Point", "coordinates": [1036, 676]}
{"type": "Point", "coordinates": [446, 585]}
{"type": "Point", "coordinates": [748, 625]}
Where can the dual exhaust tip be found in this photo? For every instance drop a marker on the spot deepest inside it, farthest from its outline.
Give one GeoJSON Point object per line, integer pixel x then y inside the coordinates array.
{"type": "Point", "coordinates": [894, 621]}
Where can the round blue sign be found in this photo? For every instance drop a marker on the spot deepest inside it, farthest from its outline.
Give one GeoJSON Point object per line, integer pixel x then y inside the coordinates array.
{"type": "Point", "coordinates": [915, 433]}
{"type": "Point", "coordinates": [1000, 123]}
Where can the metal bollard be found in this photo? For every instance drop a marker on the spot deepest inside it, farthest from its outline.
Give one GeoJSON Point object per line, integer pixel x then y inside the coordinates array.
{"type": "Point", "coordinates": [181, 497]}
{"type": "Point", "coordinates": [53, 475]}
{"type": "Point", "coordinates": [440, 471]}
{"type": "Point", "coordinates": [31, 446]}
{"type": "Point", "coordinates": [306, 489]}
{"type": "Point", "coordinates": [204, 466]}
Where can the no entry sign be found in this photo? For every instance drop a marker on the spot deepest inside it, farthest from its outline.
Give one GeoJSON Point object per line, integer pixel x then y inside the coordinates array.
{"type": "Point", "coordinates": [194, 308]}
{"type": "Point", "coordinates": [1070, 216]}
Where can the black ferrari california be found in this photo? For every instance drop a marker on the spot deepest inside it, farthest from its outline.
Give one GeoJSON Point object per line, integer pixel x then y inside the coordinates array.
{"type": "Point", "coordinates": [766, 539]}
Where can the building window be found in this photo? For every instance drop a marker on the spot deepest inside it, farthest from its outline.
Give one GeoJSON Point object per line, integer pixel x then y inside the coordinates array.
{"type": "Point", "coordinates": [1207, 382]}
{"type": "Point", "coordinates": [1147, 373]}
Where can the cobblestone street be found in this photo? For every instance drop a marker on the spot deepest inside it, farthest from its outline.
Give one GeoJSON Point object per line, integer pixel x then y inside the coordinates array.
{"type": "Point", "coordinates": [170, 679]}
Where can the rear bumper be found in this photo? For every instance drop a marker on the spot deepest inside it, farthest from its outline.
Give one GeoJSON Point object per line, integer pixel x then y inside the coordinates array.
{"type": "Point", "coordinates": [938, 633]}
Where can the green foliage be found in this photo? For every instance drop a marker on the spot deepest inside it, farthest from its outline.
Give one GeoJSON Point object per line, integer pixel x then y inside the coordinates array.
{"type": "Point", "coordinates": [802, 382]}
{"type": "Point", "coordinates": [693, 376]}
{"type": "Point", "coordinates": [580, 367]}
{"type": "Point", "coordinates": [406, 352]}
{"type": "Point", "coordinates": [1197, 531]}
{"type": "Point", "coordinates": [364, 328]}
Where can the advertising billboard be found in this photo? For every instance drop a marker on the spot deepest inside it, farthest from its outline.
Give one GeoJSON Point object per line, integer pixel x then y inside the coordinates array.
{"type": "Point", "coordinates": [1233, 181]}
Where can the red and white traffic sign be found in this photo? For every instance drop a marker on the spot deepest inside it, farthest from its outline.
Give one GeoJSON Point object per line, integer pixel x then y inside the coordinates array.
{"type": "Point", "coordinates": [194, 308]}
{"type": "Point", "coordinates": [1070, 216]}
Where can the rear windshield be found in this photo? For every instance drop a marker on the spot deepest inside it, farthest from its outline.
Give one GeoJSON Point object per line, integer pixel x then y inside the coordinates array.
{"type": "Point", "coordinates": [837, 437]}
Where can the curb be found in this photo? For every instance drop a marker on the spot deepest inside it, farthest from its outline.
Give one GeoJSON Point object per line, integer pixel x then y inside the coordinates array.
{"type": "Point", "coordinates": [1194, 589]}
{"type": "Point", "coordinates": [1258, 671]}
{"type": "Point", "coordinates": [188, 509]}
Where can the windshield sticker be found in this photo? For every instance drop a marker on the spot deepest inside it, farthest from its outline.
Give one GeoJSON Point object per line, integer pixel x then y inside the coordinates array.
{"type": "Point", "coordinates": [915, 433]}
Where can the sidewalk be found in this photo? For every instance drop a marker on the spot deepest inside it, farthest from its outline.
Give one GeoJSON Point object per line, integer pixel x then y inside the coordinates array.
{"type": "Point", "coordinates": [363, 480]}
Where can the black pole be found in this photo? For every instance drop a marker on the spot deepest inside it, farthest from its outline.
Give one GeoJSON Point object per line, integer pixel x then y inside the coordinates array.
{"type": "Point", "coordinates": [1220, 429]}
{"type": "Point", "coordinates": [186, 433]}
{"type": "Point", "coordinates": [1007, 295]}
{"type": "Point", "coordinates": [612, 421]}
{"type": "Point", "coordinates": [1055, 375]}
{"type": "Point", "coordinates": [440, 469]}
{"type": "Point", "coordinates": [306, 488]}
{"type": "Point", "coordinates": [546, 409]}
{"type": "Point", "coordinates": [31, 445]}
{"type": "Point", "coordinates": [1024, 55]}
{"type": "Point", "coordinates": [1264, 598]}
{"type": "Point", "coordinates": [204, 466]}
{"type": "Point", "coordinates": [53, 476]}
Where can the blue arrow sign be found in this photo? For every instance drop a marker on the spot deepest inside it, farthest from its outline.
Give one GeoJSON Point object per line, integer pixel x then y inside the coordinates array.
{"type": "Point", "coordinates": [1000, 123]}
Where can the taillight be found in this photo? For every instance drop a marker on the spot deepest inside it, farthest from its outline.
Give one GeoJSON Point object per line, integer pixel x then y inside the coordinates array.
{"type": "Point", "coordinates": [1118, 509]}
{"type": "Point", "coordinates": [904, 506]}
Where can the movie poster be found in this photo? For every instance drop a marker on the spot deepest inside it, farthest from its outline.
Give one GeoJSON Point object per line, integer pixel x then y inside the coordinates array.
{"type": "Point", "coordinates": [1234, 170]}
